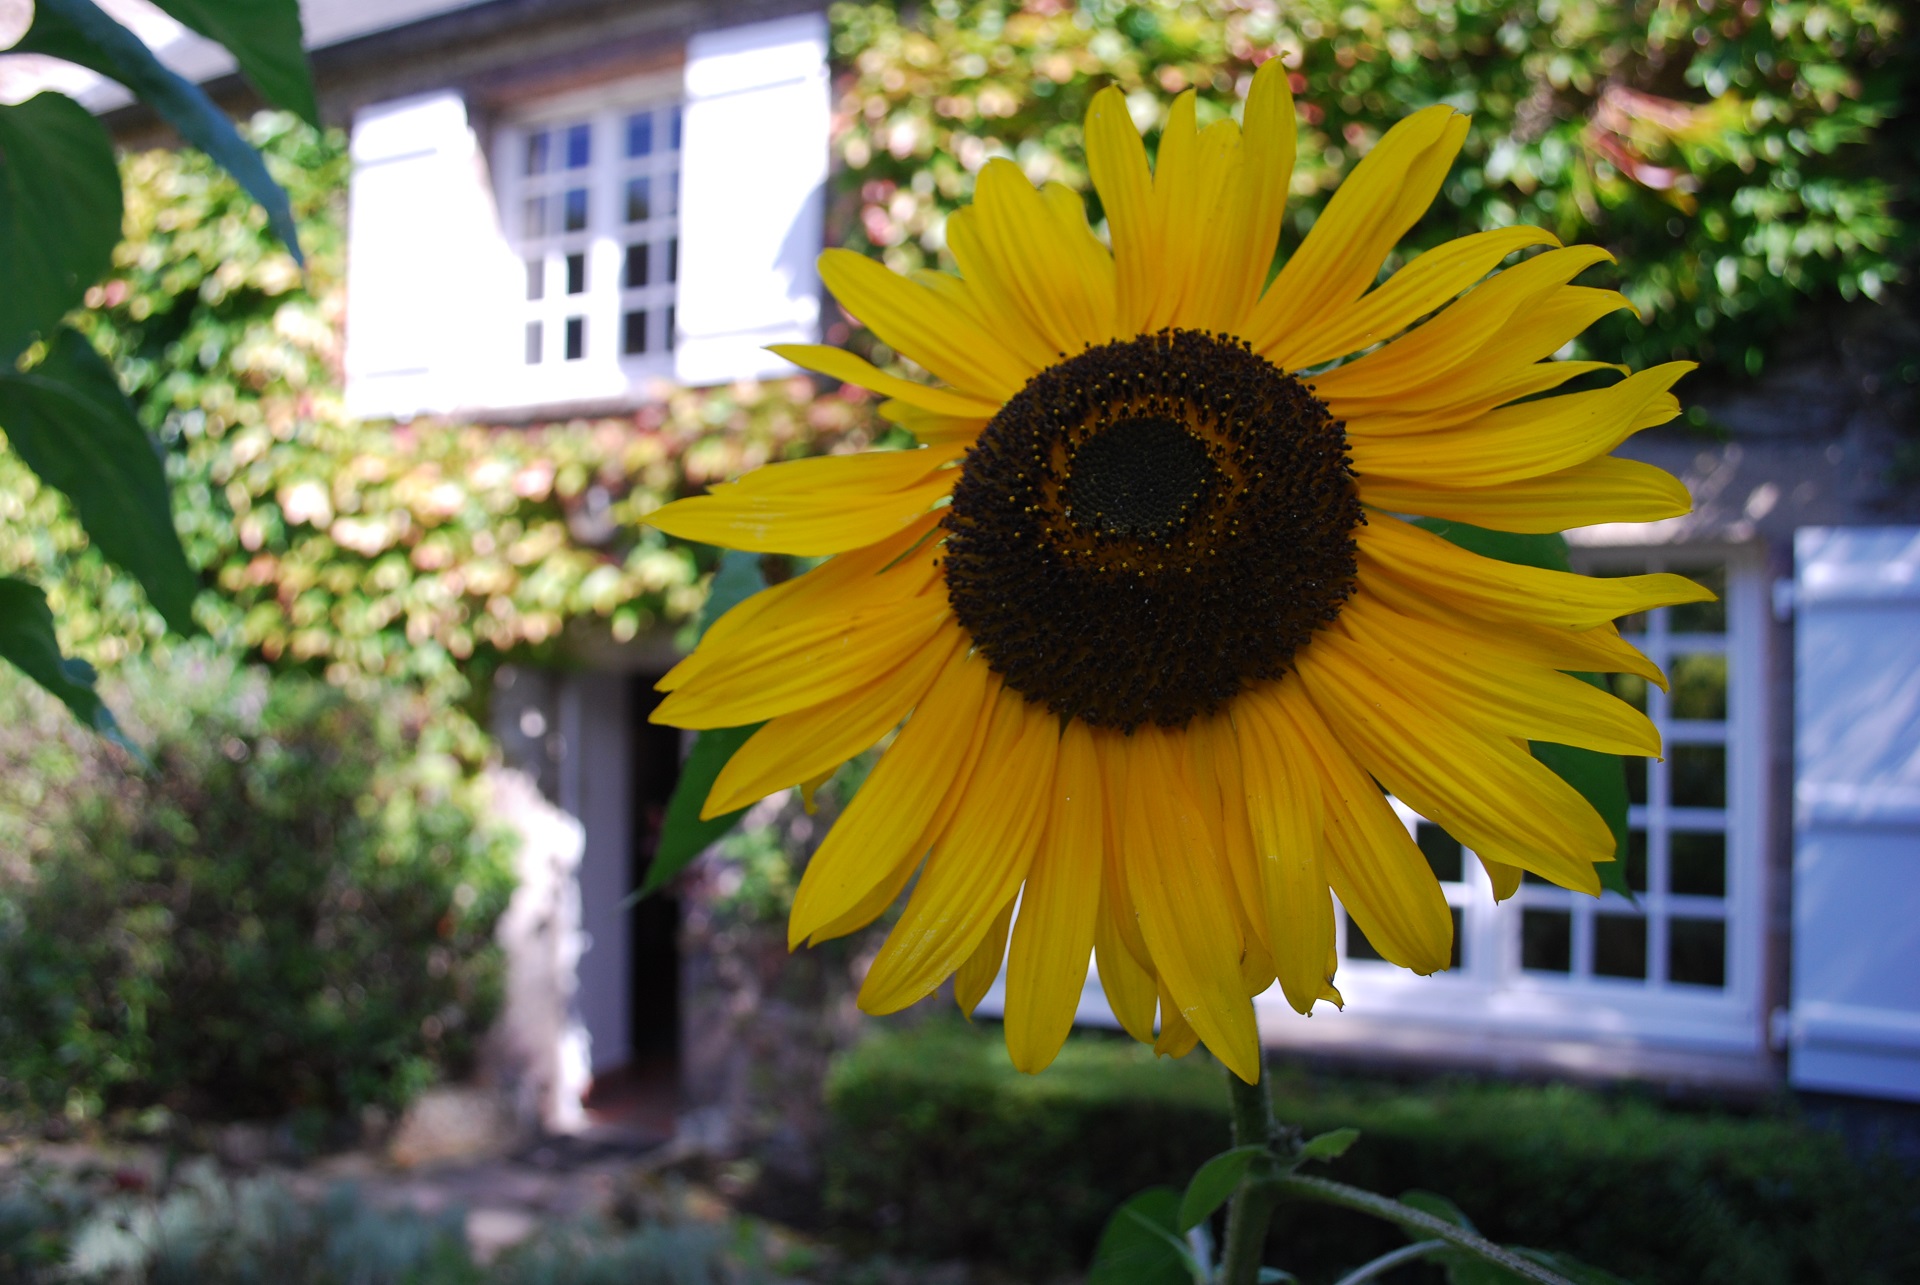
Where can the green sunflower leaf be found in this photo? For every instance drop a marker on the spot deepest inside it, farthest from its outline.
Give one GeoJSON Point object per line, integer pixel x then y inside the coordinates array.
{"type": "Point", "coordinates": [1600, 778]}
{"type": "Point", "coordinates": [80, 32]}
{"type": "Point", "coordinates": [59, 214]}
{"type": "Point", "coordinates": [1142, 1244]}
{"type": "Point", "coordinates": [683, 835]}
{"type": "Point", "coordinates": [1214, 1183]}
{"type": "Point", "coordinates": [264, 37]}
{"type": "Point", "coordinates": [73, 426]}
{"type": "Point", "coordinates": [1329, 1146]}
{"type": "Point", "coordinates": [27, 640]}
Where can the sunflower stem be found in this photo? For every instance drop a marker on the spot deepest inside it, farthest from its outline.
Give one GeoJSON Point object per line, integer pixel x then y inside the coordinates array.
{"type": "Point", "coordinates": [1252, 1205]}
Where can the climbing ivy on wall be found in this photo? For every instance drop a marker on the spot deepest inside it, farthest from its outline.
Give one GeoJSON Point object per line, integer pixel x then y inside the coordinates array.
{"type": "Point", "coordinates": [1722, 149]}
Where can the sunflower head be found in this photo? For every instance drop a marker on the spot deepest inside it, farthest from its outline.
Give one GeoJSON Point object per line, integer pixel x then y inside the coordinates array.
{"type": "Point", "coordinates": [1140, 623]}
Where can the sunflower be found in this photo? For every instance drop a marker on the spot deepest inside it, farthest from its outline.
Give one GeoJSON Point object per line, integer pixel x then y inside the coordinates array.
{"type": "Point", "coordinates": [1141, 614]}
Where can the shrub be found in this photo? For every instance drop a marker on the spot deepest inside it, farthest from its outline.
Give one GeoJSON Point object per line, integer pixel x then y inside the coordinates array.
{"type": "Point", "coordinates": [289, 911]}
{"type": "Point", "coordinates": [939, 1148]}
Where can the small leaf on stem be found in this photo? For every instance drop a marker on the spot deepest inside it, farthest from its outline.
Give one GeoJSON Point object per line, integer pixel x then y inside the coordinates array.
{"type": "Point", "coordinates": [1215, 1181]}
{"type": "Point", "coordinates": [1329, 1146]}
{"type": "Point", "coordinates": [1142, 1244]}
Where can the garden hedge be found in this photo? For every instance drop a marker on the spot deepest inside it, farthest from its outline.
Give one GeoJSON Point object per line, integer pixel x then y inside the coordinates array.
{"type": "Point", "coordinates": [939, 1149]}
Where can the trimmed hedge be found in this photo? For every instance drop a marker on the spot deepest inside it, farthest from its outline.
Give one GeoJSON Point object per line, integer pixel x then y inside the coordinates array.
{"type": "Point", "coordinates": [938, 1148]}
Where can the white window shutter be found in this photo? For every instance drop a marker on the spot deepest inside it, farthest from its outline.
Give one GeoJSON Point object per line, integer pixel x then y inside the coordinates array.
{"type": "Point", "coordinates": [1855, 1023]}
{"type": "Point", "coordinates": [752, 197]}
{"type": "Point", "coordinates": [426, 263]}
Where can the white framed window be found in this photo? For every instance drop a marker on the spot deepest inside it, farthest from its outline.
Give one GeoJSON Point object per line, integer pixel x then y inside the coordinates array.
{"type": "Point", "coordinates": [589, 192]}
{"type": "Point", "coordinates": [1678, 968]}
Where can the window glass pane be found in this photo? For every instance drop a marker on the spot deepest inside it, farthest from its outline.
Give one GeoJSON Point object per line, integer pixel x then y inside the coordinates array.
{"type": "Point", "coordinates": [1358, 947]}
{"type": "Point", "coordinates": [669, 344]}
{"type": "Point", "coordinates": [576, 274]}
{"type": "Point", "coordinates": [537, 153]}
{"type": "Point", "coordinates": [1442, 851]}
{"type": "Point", "coordinates": [535, 221]}
{"type": "Point", "coordinates": [1699, 685]}
{"type": "Point", "coordinates": [1698, 776]}
{"type": "Point", "coordinates": [633, 333]}
{"type": "Point", "coordinates": [640, 134]}
{"type": "Point", "coordinates": [533, 343]}
{"type": "Point", "coordinates": [673, 129]}
{"type": "Point", "coordinates": [1697, 951]}
{"type": "Point", "coordinates": [1632, 689]}
{"type": "Point", "coordinates": [1637, 860]}
{"type": "Point", "coordinates": [536, 278]}
{"type": "Point", "coordinates": [576, 338]}
{"type": "Point", "coordinates": [579, 146]}
{"type": "Point", "coordinates": [638, 190]}
{"type": "Point", "coordinates": [636, 274]}
{"type": "Point", "coordinates": [1453, 959]}
{"type": "Point", "coordinates": [1697, 864]}
{"type": "Point", "coordinates": [670, 193]}
{"type": "Point", "coordinates": [1546, 941]}
{"type": "Point", "coordinates": [1636, 778]}
{"type": "Point", "coordinates": [1620, 945]}
{"type": "Point", "coordinates": [1701, 617]}
{"type": "Point", "coordinates": [576, 209]}
{"type": "Point", "coordinates": [673, 260]}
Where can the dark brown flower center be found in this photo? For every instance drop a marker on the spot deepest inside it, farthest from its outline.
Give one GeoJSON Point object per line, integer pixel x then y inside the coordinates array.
{"type": "Point", "coordinates": [1149, 527]}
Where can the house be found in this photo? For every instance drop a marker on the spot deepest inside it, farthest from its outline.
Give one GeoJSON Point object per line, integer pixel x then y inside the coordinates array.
{"type": "Point", "coordinates": [557, 204]}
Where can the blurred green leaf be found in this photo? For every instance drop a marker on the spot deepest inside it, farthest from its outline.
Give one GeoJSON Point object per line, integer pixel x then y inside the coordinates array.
{"type": "Point", "coordinates": [1215, 1181]}
{"type": "Point", "coordinates": [683, 835]}
{"type": "Point", "coordinates": [1142, 1244]}
{"type": "Point", "coordinates": [80, 32]}
{"type": "Point", "coordinates": [1465, 1268]}
{"type": "Point", "coordinates": [1329, 1146]}
{"type": "Point", "coordinates": [27, 640]}
{"type": "Point", "coordinates": [264, 37]}
{"type": "Point", "coordinates": [1600, 778]}
{"type": "Point", "coordinates": [59, 214]}
{"type": "Point", "coordinates": [73, 426]}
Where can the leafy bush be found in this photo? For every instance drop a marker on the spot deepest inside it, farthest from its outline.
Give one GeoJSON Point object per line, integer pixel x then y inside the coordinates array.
{"type": "Point", "coordinates": [940, 1148]}
{"type": "Point", "coordinates": [291, 911]}
{"type": "Point", "coordinates": [1725, 150]}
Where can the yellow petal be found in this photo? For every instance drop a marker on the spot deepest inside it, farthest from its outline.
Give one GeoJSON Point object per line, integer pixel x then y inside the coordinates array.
{"type": "Point", "coordinates": [1527, 440]}
{"type": "Point", "coordinates": [1451, 341]}
{"type": "Point", "coordinates": [804, 664]}
{"type": "Point", "coordinates": [890, 570]}
{"type": "Point", "coordinates": [1607, 489]}
{"type": "Point", "coordinates": [1184, 897]}
{"type": "Point", "coordinates": [1037, 263]}
{"type": "Point", "coordinates": [844, 366]}
{"type": "Point", "coordinates": [1521, 700]}
{"type": "Point", "coordinates": [975, 977]}
{"type": "Point", "coordinates": [802, 745]}
{"type": "Point", "coordinates": [1504, 878]}
{"type": "Point", "coordinates": [1456, 401]}
{"type": "Point", "coordinates": [1117, 159]}
{"type": "Point", "coordinates": [999, 309]}
{"type": "Point", "coordinates": [1215, 763]}
{"type": "Point", "coordinates": [1506, 590]}
{"type": "Point", "coordinates": [1385, 195]}
{"type": "Point", "coordinates": [1207, 223]}
{"type": "Point", "coordinates": [1177, 1036]}
{"type": "Point", "coordinates": [1600, 649]}
{"type": "Point", "coordinates": [977, 863]}
{"type": "Point", "coordinates": [1419, 288]}
{"type": "Point", "coordinates": [1266, 157]}
{"type": "Point", "coordinates": [1377, 871]}
{"type": "Point", "coordinates": [1091, 260]}
{"type": "Point", "coordinates": [1285, 809]}
{"type": "Point", "coordinates": [1130, 989]}
{"type": "Point", "coordinates": [916, 322]}
{"type": "Point", "coordinates": [885, 826]}
{"type": "Point", "coordinates": [929, 428]}
{"type": "Point", "coordinates": [828, 504]}
{"type": "Point", "coordinates": [1053, 938]}
{"type": "Point", "coordinates": [1489, 794]}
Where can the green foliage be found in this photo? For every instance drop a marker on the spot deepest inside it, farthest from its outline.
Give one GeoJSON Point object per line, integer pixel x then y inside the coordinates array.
{"type": "Point", "coordinates": [1724, 150]}
{"type": "Point", "coordinates": [1143, 1244]}
{"type": "Point", "coordinates": [292, 911]}
{"type": "Point", "coordinates": [59, 213]}
{"type": "Point", "coordinates": [27, 641]}
{"type": "Point", "coordinates": [939, 1147]}
{"type": "Point", "coordinates": [368, 551]}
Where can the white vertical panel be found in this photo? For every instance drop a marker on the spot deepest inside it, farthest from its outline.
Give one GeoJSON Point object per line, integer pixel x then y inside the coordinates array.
{"type": "Point", "coordinates": [595, 781]}
{"type": "Point", "coordinates": [755, 170]}
{"type": "Point", "coordinates": [1856, 883]}
{"type": "Point", "coordinates": [426, 264]}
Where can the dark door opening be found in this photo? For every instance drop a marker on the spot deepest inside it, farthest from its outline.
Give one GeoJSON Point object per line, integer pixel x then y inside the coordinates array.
{"type": "Point", "coordinates": [655, 925]}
